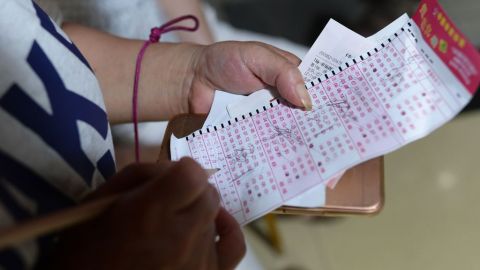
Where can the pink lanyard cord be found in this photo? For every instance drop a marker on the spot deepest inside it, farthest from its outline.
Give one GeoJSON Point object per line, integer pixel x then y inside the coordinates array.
{"type": "Point", "coordinates": [155, 35]}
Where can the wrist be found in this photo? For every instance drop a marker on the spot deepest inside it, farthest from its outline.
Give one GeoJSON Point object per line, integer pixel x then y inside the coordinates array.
{"type": "Point", "coordinates": [168, 71]}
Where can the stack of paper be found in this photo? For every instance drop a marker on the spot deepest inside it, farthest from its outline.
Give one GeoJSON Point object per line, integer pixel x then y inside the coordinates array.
{"type": "Point", "coordinates": [371, 96]}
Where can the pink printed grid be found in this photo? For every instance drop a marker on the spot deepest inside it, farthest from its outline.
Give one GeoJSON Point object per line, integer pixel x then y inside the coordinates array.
{"type": "Point", "coordinates": [364, 111]}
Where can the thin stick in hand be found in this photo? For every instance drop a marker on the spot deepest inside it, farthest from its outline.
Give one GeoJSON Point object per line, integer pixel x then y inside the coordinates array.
{"type": "Point", "coordinates": [59, 220]}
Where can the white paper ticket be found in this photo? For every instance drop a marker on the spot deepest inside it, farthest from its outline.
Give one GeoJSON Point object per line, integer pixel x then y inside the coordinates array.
{"type": "Point", "coordinates": [392, 95]}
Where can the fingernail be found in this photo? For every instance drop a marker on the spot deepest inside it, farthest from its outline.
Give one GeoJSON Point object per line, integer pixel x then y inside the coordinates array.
{"type": "Point", "coordinates": [304, 97]}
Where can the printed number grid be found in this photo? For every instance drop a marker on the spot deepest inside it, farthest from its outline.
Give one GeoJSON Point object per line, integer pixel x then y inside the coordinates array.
{"type": "Point", "coordinates": [368, 108]}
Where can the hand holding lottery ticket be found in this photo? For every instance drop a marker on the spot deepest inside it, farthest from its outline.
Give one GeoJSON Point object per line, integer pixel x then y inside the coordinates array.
{"type": "Point", "coordinates": [399, 91]}
{"type": "Point", "coordinates": [228, 106]}
{"type": "Point", "coordinates": [244, 68]}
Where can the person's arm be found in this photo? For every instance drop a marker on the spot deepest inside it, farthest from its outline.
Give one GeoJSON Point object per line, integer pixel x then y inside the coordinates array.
{"type": "Point", "coordinates": [181, 78]}
{"type": "Point", "coordinates": [175, 8]}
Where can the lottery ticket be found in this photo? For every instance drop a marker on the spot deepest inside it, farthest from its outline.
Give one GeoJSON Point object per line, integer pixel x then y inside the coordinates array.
{"type": "Point", "coordinates": [400, 91]}
{"type": "Point", "coordinates": [334, 47]}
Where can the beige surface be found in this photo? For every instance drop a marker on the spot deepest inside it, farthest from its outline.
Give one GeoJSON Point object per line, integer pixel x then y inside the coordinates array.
{"type": "Point", "coordinates": [431, 218]}
{"type": "Point", "coordinates": [465, 14]}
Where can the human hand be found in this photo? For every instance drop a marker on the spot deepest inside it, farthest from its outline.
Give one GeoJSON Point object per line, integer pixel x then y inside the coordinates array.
{"type": "Point", "coordinates": [168, 218]}
{"type": "Point", "coordinates": [181, 78]}
{"type": "Point", "coordinates": [242, 68]}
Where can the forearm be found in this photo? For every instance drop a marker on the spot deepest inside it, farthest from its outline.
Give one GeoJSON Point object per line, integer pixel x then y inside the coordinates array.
{"type": "Point", "coordinates": [165, 70]}
{"type": "Point", "coordinates": [175, 8]}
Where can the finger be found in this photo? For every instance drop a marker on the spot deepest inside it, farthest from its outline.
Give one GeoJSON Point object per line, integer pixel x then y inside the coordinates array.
{"type": "Point", "coordinates": [184, 182]}
{"type": "Point", "coordinates": [202, 212]}
{"type": "Point", "coordinates": [278, 72]}
{"type": "Point", "coordinates": [131, 177]}
{"type": "Point", "coordinates": [199, 218]}
{"type": "Point", "coordinates": [212, 262]}
{"type": "Point", "coordinates": [292, 58]}
{"type": "Point", "coordinates": [203, 254]}
{"type": "Point", "coordinates": [231, 246]}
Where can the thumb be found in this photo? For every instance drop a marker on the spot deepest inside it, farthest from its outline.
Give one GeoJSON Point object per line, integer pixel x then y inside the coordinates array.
{"type": "Point", "coordinates": [277, 71]}
{"type": "Point", "coordinates": [231, 245]}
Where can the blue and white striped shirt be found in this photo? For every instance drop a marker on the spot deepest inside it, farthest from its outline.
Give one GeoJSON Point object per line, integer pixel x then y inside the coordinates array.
{"type": "Point", "coordinates": [55, 139]}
